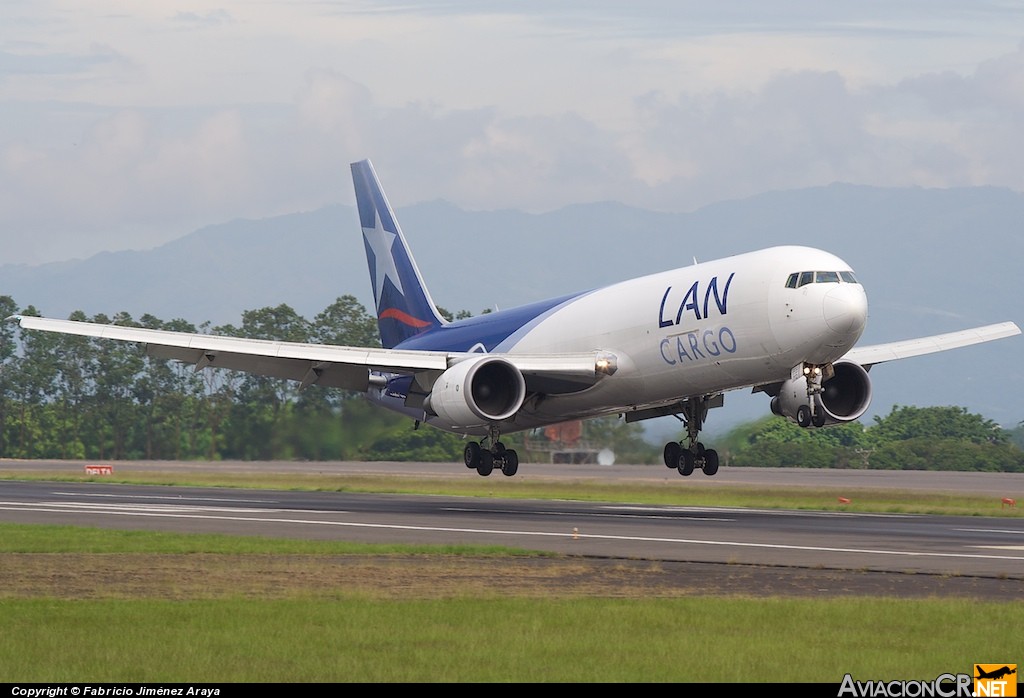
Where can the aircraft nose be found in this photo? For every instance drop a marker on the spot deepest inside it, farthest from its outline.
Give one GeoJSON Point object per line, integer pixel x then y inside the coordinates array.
{"type": "Point", "coordinates": [846, 308]}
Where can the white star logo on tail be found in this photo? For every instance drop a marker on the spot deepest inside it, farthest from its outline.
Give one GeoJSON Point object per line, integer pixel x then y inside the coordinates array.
{"type": "Point", "coordinates": [380, 242]}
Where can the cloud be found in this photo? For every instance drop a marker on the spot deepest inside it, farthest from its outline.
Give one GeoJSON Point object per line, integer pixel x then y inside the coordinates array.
{"type": "Point", "coordinates": [667, 106]}
{"type": "Point", "coordinates": [25, 63]}
{"type": "Point", "coordinates": [125, 175]}
{"type": "Point", "coordinates": [216, 17]}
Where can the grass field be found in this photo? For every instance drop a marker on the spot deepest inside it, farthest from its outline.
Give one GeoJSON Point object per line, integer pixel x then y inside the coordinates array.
{"type": "Point", "coordinates": [84, 604]}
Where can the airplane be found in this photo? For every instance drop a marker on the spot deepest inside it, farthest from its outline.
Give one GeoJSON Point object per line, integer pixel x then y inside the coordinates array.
{"type": "Point", "coordinates": [995, 674]}
{"type": "Point", "coordinates": [783, 321]}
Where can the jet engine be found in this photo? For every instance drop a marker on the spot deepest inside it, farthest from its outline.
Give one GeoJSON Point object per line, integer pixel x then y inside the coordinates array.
{"type": "Point", "coordinates": [844, 397]}
{"type": "Point", "coordinates": [477, 391]}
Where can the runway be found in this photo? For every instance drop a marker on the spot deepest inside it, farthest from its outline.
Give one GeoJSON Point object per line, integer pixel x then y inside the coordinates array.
{"type": "Point", "coordinates": [996, 485]}
{"type": "Point", "coordinates": [972, 546]}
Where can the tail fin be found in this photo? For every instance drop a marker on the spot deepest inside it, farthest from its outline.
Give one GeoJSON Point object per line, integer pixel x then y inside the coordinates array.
{"type": "Point", "coordinates": [404, 306]}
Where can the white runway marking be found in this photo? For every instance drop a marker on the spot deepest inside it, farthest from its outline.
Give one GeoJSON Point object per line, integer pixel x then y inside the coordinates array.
{"type": "Point", "coordinates": [192, 513]}
{"type": "Point", "coordinates": [772, 512]}
{"type": "Point", "coordinates": [589, 514]}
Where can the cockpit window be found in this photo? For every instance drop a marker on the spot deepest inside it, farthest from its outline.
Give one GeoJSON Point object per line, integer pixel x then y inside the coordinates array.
{"type": "Point", "coordinates": [802, 278]}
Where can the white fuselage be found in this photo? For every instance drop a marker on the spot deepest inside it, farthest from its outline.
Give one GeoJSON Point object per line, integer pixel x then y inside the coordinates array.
{"type": "Point", "coordinates": [700, 330]}
{"type": "Point", "coordinates": [690, 332]}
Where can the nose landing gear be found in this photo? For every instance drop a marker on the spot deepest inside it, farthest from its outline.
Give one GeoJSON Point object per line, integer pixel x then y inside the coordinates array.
{"type": "Point", "coordinates": [813, 413]}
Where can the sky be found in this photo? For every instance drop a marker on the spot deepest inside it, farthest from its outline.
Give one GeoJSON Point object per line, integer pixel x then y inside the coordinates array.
{"type": "Point", "coordinates": [128, 124]}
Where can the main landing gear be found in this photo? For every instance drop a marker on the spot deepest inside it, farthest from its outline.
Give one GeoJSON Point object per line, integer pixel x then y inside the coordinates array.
{"type": "Point", "coordinates": [484, 461]}
{"type": "Point", "coordinates": [695, 456]}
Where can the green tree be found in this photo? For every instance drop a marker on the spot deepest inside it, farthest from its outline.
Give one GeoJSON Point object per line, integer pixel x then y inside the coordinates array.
{"type": "Point", "coordinates": [33, 381]}
{"type": "Point", "coordinates": [942, 438]}
{"type": "Point", "coordinates": [345, 322]}
{"type": "Point", "coordinates": [947, 454]}
{"type": "Point", "coordinates": [1016, 435]}
{"type": "Point", "coordinates": [114, 368]}
{"type": "Point", "coordinates": [262, 405]}
{"type": "Point", "coordinates": [8, 361]}
{"type": "Point", "coordinates": [319, 413]}
{"type": "Point", "coordinates": [956, 423]}
{"type": "Point", "coordinates": [425, 444]}
{"type": "Point", "coordinates": [909, 438]}
{"type": "Point", "coordinates": [170, 396]}
{"type": "Point", "coordinates": [777, 442]}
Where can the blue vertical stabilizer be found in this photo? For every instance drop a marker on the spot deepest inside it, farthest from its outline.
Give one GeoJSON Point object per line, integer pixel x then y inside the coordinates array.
{"type": "Point", "coordinates": [404, 306]}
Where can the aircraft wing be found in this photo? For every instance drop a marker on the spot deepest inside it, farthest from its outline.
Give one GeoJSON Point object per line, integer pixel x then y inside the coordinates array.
{"type": "Point", "coordinates": [324, 364]}
{"type": "Point", "coordinates": [890, 351]}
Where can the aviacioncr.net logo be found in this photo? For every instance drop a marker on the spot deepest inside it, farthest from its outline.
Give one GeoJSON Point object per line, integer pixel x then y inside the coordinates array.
{"type": "Point", "coordinates": [995, 680]}
{"type": "Point", "coordinates": [944, 686]}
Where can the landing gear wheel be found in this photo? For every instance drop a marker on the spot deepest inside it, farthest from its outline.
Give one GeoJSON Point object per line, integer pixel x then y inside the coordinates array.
{"type": "Point", "coordinates": [511, 464]}
{"type": "Point", "coordinates": [471, 454]}
{"type": "Point", "coordinates": [486, 463]}
{"type": "Point", "coordinates": [818, 419]}
{"type": "Point", "coordinates": [671, 454]}
{"type": "Point", "coordinates": [803, 416]}
{"type": "Point", "coordinates": [686, 463]}
{"type": "Point", "coordinates": [710, 462]}
{"type": "Point", "coordinates": [690, 453]}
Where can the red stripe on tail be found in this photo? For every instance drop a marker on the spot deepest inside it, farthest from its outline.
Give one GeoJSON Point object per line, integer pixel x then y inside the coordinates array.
{"type": "Point", "coordinates": [404, 318]}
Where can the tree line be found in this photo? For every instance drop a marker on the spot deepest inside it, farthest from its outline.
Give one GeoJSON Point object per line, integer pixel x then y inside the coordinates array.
{"type": "Point", "coordinates": [64, 396]}
{"type": "Point", "coordinates": [70, 397]}
{"type": "Point", "coordinates": [908, 438]}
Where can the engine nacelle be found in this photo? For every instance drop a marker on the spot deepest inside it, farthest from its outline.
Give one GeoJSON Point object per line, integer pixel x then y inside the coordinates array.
{"type": "Point", "coordinates": [844, 398]}
{"type": "Point", "coordinates": [475, 392]}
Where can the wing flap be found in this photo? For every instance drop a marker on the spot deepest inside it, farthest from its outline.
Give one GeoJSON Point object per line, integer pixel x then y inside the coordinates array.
{"type": "Point", "coordinates": [332, 375]}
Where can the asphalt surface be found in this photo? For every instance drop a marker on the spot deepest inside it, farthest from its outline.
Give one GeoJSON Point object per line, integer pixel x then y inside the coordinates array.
{"type": "Point", "coordinates": [718, 549]}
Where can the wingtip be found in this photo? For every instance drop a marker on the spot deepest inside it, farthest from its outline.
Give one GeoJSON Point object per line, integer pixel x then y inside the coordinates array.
{"type": "Point", "coordinates": [1006, 329]}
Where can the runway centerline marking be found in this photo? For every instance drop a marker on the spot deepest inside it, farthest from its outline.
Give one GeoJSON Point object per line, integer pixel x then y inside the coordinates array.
{"type": "Point", "coordinates": [574, 535]}
{"type": "Point", "coordinates": [772, 512]}
{"type": "Point", "coordinates": [591, 514]}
